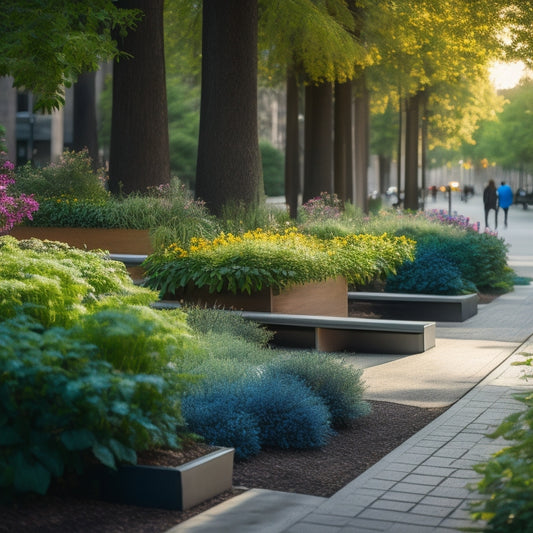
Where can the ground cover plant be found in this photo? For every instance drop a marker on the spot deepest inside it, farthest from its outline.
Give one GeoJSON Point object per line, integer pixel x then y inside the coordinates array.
{"type": "Point", "coordinates": [507, 482]}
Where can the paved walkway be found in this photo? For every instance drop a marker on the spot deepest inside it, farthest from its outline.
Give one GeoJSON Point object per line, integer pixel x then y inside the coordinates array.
{"type": "Point", "coordinates": [422, 485]}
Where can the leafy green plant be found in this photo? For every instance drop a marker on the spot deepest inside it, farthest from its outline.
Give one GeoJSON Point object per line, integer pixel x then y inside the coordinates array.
{"type": "Point", "coordinates": [60, 401]}
{"type": "Point", "coordinates": [507, 480]}
{"type": "Point", "coordinates": [272, 161]}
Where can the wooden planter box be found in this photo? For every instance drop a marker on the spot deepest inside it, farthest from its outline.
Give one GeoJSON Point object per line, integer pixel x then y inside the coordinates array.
{"type": "Point", "coordinates": [327, 298]}
{"type": "Point", "coordinates": [118, 241]}
{"type": "Point", "coordinates": [176, 488]}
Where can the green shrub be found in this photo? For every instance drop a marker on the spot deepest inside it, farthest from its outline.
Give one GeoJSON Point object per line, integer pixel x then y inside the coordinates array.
{"type": "Point", "coordinates": [55, 283]}
{"type": "Point", "coordinates": [138, 339]}
{"type": "Point", "coordinates": [59, 400]}
{"type": "Point", "coordinates": [72, 177]}
{"type": "Point", "coordinates": [338, 384]}
{"type": "Point", "coordinates": [507, 479]}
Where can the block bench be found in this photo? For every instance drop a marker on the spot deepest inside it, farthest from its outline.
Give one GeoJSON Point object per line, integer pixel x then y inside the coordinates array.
{"type": "Point", "coordinates": [132, 263]}
{"type": "Point", "coordinates": [416, 306]}
{"type": "Point", "coordinates": [338, 334]}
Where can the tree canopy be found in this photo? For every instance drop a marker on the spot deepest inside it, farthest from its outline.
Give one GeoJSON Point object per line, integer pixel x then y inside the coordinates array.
{"type": "Point", "coordinates": [47, 44]}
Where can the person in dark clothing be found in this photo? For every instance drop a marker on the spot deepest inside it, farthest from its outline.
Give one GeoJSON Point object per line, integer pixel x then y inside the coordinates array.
{"type": "Point", "coordinates": [490, 201]}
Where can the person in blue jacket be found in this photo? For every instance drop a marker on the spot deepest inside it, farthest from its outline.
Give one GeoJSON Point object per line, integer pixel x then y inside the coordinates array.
{"type": "Point", "coordinates": [505, 199]}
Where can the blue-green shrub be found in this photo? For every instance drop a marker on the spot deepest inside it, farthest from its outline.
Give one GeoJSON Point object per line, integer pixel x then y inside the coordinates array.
{"type": "Point", "coordinates": [206, 320]}
{"type": "Point", "coordinates": [290, 414]}
{"type": "Point", "coordinates": [275, 411]}
{"type": "Point", "coordinates": [219, 418]}
{"type": "Point", "coordinates": [481, 258]}
{"type": "Point", "coordinates": [429, 273]}
{"type": "Point", "coordinates": [338, 384]}
{"type": "Point", "coordinates": [58, 401]}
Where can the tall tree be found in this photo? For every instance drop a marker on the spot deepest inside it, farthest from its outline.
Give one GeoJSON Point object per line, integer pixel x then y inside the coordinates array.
{"type": "Point", "coordinates": [85, 133]}
{"type": "Point", "coordinates": [318, 159]}
{"type": "Point", "coordinates": [229, 164]}
{"type": "Point", "coordinates": [139, 150]}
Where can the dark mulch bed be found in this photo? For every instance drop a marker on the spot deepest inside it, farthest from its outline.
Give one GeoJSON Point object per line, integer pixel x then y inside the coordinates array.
{"type": "Point", "coordinates": [316, 472]}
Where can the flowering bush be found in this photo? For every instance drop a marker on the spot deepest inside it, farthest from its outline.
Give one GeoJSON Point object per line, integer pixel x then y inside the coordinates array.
{"type": "Point", "coordinates": [13, 209]}
{"type": "Point", "coordinates": [324, 207]}
{"type": "Point", "coordinates": [257, 259]}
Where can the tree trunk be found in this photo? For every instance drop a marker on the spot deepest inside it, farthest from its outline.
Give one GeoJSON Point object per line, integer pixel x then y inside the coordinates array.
{"type": "Point", "coordinates": [343, 141]}
{"type": "Point", "coordinates": [384, 172]}
{"type": "Point", "coordinates": [411, 152]}
{"type": "Point", "coordinates": [85, 135]}
{"type": "Point", "coordinates": [229, 161]}
{"type": "Point", "coordinates": [361, 138]}
{"type": "Point", "coordinates": [318, 151]}
{"type": "Point", "coordinates": [292, 146]}
{"type": "Point", "coordinates": [139, 151]}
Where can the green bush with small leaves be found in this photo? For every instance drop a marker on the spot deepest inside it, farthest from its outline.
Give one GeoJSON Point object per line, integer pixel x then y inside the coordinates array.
{"type": "Point", "coordinates": [56, 283]}
{"type": "Point", "coordinates": [507, 481]}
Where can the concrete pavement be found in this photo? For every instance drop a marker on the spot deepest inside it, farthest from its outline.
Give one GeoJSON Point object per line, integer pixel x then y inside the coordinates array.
{"type": "Point", "coordinates": [422, 485]}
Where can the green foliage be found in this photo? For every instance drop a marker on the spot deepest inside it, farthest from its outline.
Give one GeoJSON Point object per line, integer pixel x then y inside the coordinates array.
{"type": "Point", "coordinates": [267, 259]}
{"type": "Point", "coordinates": [272, 160]}
{"type": "Point", "coordinates": [481, 258]}
{"type": "Point", "coordinates": [46, 45]}
{"type": "Point", "coordinates": [137, 339]}
{"type": "Point", "coordinates": [59, 400]}
{"type": "Point", "coordinates": [55, 283]}
{"type": "Point", "coordinates": [507, 479]}
{"type": "Point", "coordinates": [239, 218]}
{"type": "Point", "coordinates": [338, 384]}
{"type": "Point", "coordinates": [71, 178]}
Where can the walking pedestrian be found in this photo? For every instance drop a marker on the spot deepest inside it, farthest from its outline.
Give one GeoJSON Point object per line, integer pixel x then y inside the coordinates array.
{"type": "Point", "coordinates": [505, 198]}
{"type": "Point", "coordinates": [490, 201]}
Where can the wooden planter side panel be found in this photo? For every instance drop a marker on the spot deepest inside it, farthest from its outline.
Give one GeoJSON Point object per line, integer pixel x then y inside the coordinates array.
{"type": "Point", "coordinates": [326, 298]}
{"type": "Point", "coordinates": [118, 241]}
{"type": "Point", "coordinates": [329, 298]}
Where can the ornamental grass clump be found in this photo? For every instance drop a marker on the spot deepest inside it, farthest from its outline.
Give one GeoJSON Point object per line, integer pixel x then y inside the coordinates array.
{"type": "Point", "coordinates": [247, 263]}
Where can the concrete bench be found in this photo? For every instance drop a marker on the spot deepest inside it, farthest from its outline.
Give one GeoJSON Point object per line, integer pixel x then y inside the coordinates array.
{"type": "Point", "coordinates": [417, 306]}
{"type": "Point", "coordinates": [337, 334]}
